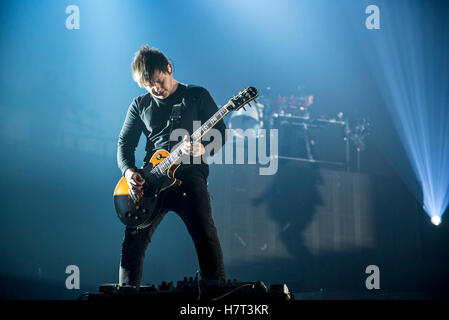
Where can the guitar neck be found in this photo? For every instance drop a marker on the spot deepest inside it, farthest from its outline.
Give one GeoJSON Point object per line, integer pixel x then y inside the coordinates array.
{"type": "Point", "coordinates": [209, 124]}
{"type": "Point", "coordinates": [162, 167]}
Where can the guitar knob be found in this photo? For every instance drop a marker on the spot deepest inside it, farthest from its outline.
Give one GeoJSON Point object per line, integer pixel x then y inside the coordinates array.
{"type": "Point", "coordinates": [128, 214]}
{"type": "Point", "coordinates": [144, 210]}
{"type": "Point", "coordinates": [137, 207]}
{"type": "Point", "coordinates": [136, 217]}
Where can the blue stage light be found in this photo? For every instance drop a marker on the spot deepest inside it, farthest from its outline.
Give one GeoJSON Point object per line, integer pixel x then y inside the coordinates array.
{"type": "Point", "coordinates": [411, 59]}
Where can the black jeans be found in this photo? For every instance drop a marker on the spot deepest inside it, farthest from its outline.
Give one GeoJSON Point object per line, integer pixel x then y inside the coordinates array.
{"type": "Point", "coordinates": [192, 203]}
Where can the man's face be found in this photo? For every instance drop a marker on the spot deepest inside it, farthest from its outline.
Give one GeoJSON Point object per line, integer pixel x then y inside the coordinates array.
{"type": "Point", "coordinates": [162, 85]}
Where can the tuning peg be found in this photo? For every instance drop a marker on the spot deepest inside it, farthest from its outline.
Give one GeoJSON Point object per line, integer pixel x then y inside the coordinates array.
{"type": "Point", "coordinates": [244, 108]}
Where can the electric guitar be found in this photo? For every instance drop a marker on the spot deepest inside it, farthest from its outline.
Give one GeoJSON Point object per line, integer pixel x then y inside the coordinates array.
{"type": "Point", "coordinates": [139, 209]}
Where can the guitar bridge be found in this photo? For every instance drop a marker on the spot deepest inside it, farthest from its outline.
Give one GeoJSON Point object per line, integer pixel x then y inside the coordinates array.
{"type": "Point", "coordinates": [135, 196]}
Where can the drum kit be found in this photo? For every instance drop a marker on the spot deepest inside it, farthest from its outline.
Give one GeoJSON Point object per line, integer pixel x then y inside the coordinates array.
{"type": "Point", "coordinates": [291, 115]}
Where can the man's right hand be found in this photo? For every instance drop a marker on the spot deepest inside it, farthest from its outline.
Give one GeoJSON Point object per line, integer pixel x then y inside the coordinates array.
{"type": "Point", "coordinates": [134, 179]}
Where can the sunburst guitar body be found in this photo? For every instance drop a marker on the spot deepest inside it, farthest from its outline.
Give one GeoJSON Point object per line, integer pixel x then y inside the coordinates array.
{"type": "Point", "coordinates": [139, 210]}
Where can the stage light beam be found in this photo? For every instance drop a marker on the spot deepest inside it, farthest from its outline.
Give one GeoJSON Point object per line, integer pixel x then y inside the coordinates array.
{"type": "Point", "coordinates": [411, 67]}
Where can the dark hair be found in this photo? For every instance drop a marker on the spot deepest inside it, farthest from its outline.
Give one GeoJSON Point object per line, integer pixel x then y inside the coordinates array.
{"type": "Point", "coordinates": [146, 61]}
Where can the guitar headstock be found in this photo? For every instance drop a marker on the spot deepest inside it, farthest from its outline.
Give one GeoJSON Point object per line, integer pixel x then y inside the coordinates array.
{"type": "Point", "coordinates": [242, 98]}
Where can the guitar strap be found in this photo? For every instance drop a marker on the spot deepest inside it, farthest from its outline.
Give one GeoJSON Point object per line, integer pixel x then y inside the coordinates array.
{"type": "Point", "coordinates": [176, 113]}
{"type": "Point", "coordinates": [175, 118]}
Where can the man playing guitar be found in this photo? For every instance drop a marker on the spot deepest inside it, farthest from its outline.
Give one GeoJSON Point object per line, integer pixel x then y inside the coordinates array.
{"type": "Point", "coordinates": [150, 114]}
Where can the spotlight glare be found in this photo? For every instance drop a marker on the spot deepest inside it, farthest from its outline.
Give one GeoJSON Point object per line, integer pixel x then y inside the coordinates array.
{"type": "Point", "coordinates": [436, 220]}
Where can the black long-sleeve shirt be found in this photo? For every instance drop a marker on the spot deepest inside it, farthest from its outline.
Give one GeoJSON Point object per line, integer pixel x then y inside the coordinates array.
{"type": "Point", "coordinates": [151, 116]}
